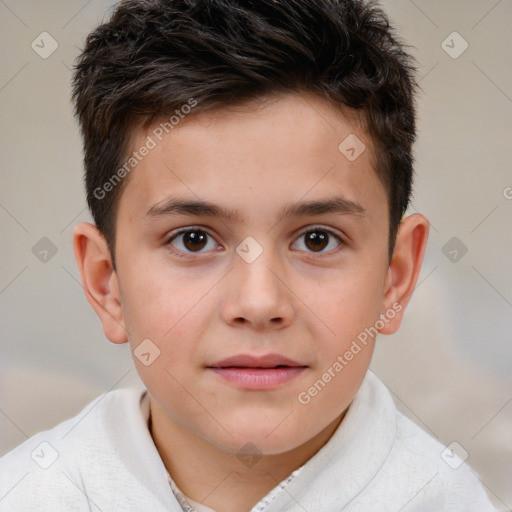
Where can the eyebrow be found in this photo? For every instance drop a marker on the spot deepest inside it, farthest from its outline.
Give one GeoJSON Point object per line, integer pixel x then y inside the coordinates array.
{"type": "Point", "coordinates": [176, 206]}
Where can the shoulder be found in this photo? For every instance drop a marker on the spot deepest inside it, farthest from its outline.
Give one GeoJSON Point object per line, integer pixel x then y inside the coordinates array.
{"type": "Point", "coordinates": [443, 470]}
{"type": "Point", "coordinates": [56, 468]}
{"type": "Point", "coordinates": [426, 474]}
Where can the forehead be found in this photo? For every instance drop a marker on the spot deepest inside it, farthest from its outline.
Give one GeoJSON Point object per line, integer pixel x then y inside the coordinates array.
{"type": "Point", "coordinates": [254, 158]}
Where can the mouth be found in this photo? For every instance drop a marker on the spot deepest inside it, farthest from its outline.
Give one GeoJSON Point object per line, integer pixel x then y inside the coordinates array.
{"type": "Point", "coordinates": [258, 373]}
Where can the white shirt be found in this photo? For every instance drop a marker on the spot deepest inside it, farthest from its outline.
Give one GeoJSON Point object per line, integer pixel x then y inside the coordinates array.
{"type": "Point", "coordinates": [104, 459]}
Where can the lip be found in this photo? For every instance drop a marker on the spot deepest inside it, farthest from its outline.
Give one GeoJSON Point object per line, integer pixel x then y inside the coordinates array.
{"type": "Point", "coordinates": [257, 372]}
{"type": "Point", "coordinates": [249, 361]}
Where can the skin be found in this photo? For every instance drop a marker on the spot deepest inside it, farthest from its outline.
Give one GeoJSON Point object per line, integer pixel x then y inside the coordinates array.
{"type": "Point", "coordinates": [296, 299]}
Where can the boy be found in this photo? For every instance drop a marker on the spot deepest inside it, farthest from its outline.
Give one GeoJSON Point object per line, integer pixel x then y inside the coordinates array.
{"type": "Point", "coordinates": [275, 136]}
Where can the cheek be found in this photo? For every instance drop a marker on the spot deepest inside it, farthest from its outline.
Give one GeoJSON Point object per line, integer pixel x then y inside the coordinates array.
{"type": "Point", "coordinates": [153, 304]}
{"type": "Point", "coordinates": [348, 305]}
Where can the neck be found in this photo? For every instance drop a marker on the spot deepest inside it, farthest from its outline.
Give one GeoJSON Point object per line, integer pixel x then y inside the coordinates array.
{"type": "Point", "coordinates": [225, 481]}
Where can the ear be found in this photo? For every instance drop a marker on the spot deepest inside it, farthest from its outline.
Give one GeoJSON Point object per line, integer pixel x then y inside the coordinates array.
{"type": "Point", "coordinates": [404, 269]}
{"type": "Point", "coordinates": [99, 279]}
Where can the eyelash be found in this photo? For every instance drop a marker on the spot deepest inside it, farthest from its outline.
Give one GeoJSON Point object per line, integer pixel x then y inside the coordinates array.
{"type": "Point", "coordinates": [182, 254]}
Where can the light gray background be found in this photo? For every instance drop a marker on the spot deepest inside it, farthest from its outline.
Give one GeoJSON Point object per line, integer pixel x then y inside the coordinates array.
{"type": "Point", "coordinates": [449, 367]}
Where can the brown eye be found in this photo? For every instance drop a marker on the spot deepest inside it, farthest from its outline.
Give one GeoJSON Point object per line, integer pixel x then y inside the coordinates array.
{"type": "Point", "coordinates": [317, 240]}
{"type": "Point", "coordinates": [191, 241]}
{"type": "Point", "coordinates": [194, 240]}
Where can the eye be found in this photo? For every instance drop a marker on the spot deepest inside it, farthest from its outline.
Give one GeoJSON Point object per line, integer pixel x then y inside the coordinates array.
{"type": "Point", "coordinates": [197, 241]}
{"type": "Point", "coordinates": [316, 239]}
{"type": "Point", "coordinates": [192, 240]}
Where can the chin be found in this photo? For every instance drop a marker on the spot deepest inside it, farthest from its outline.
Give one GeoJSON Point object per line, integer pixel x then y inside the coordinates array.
{"type": "Point", "coordinates": [262, 438]}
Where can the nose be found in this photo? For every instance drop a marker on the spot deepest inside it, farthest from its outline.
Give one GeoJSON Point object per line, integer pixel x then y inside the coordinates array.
{"type": "Point", "coordinates": [258, 294]}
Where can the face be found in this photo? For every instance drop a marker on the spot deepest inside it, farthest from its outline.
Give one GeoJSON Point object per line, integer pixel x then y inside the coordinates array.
{"type": "Point", "coordinates": [253, 270]}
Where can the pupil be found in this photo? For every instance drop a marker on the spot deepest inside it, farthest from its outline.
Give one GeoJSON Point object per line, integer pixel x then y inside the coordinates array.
{"type": "Point", "coordinates": [316, 240]}
{"type": "Point", "coordinates": [194, 240]}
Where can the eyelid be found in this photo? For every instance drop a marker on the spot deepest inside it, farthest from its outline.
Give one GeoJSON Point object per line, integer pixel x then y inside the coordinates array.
{"type": "Point", "coordinates": [178, 231]}
{"type": "Point", "coordinates": [320, 227]}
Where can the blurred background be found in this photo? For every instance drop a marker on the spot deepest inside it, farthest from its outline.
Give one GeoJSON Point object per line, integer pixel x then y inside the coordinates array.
{"type": "Point", "coordinates": [449, 367]}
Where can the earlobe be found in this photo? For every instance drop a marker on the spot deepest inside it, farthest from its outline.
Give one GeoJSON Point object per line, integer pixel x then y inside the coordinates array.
{"type": "Point", "coordinates": [404, 269]}
{"type": "Point", "coordinates": [99, 279]}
